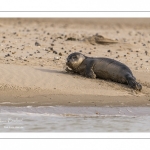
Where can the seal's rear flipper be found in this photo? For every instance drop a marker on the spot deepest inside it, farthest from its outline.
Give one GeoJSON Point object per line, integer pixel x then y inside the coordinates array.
{"type": "Point", "coordinates": [133, 84]}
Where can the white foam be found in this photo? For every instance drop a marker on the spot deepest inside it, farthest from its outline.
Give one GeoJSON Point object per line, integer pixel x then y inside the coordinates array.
{"type": "Point", "coordinates": [76, 111]}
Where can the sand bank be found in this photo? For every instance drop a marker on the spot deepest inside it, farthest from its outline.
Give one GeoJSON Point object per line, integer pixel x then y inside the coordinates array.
{"type": "Point", "coordinates": [33, 54]}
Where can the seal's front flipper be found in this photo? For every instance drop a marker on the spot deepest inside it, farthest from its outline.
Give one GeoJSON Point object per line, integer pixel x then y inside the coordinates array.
{"type": "Point", "coordinates": [89, 71]}
{"type": "Point", "coordinates": [68, 70]}
{"type": "Point", "coordinates": [133, 84]}
{"type": "Point", "coordinates": [91, 74]}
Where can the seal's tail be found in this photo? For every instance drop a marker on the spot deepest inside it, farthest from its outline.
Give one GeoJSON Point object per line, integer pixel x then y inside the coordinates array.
{"type": "Point", "coordinates": [133, 84]}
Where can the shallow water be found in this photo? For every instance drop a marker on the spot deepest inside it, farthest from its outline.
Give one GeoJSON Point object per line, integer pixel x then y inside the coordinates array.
{"type": "Point", "coordinates": [74, 119]}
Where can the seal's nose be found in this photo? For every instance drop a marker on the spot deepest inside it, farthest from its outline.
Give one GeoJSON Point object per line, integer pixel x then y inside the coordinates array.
{"type": "Point", "coordinates": [67, 60]}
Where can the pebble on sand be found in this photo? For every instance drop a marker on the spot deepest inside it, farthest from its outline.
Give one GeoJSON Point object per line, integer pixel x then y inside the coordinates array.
{"type": "Point", "coordinates": [37, 44]}
{"type": "Point", "coordinates": [56, 58]}
{"type": "Point", "coordinates": [54, 52]}
{"type": "Point", "coordinates": [146, 52]}
{"type": "Point", "coordinates": [60, 54]}
{"type": "Point", "coordinates": [8, 55]}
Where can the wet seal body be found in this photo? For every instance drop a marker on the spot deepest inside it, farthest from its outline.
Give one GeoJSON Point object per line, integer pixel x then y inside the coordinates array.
{"type": "Point", "coordinates": [103, 68]}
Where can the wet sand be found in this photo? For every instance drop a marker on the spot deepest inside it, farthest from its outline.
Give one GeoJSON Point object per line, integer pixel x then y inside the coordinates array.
{"type": "Point", "coordinates": [34, 51]}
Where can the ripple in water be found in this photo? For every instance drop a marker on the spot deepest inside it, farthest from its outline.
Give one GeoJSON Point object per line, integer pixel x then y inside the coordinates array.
{"type": "Point", "coordinates": [74, 119]}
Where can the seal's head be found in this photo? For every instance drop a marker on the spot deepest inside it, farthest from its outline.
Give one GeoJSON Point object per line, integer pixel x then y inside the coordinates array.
{"type": "Point", "coordinates": [74, 60]}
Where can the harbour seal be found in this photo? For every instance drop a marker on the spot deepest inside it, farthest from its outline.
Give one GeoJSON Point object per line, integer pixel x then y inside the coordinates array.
{"type": "Point", "coordinates": [103, 68]}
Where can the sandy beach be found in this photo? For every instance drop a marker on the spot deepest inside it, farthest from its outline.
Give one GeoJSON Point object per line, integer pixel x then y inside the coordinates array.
{"type": "Point", "coordinates": [33, 56]}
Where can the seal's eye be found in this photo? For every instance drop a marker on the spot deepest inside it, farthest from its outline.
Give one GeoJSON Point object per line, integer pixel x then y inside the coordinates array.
{"type": "Point", "coordinates": [74, 57]}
